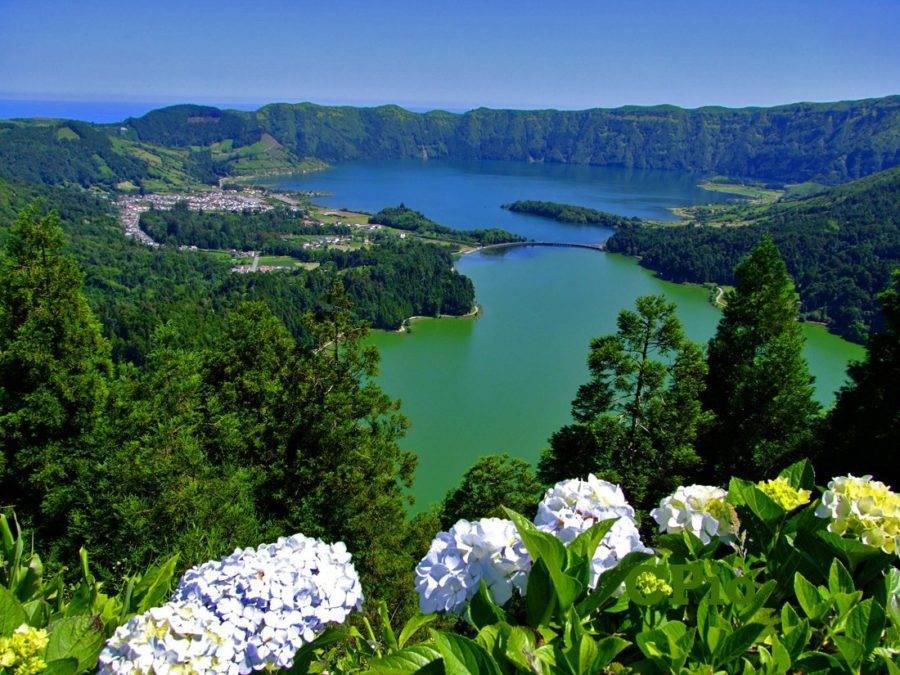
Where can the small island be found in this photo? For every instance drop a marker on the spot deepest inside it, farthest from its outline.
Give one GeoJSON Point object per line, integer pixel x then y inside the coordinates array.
{"type": "Point", "coordinates": [404, 218]}
{"type": "Point", "coordinates": [569, 213]}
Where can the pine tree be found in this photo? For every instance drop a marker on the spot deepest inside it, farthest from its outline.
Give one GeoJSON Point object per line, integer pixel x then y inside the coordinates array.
{"type": "Point", "coordinates": [758, 386]}
{"type": "Point", "coordinates": [862, 432]}
{"type": "Point", "coordinates": [637, 418]}
{"type": "Point", "coordinates": [490, 483]}
{"type": "Point", "coordinates": [54, 365]}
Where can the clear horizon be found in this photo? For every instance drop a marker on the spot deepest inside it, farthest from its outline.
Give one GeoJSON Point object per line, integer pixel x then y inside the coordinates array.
{"type": "Point", "coordinates": [453, 56]}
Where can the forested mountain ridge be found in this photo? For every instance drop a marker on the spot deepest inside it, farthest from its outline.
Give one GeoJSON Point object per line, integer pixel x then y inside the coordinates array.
{"type": "Point", "coordinates": [827, 142]}
{"type": "Point", "coordinates": [840, 246]}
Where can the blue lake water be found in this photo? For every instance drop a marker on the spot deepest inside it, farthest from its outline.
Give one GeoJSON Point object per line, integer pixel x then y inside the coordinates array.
{"type": "Point", "coordinates": [503, 382]}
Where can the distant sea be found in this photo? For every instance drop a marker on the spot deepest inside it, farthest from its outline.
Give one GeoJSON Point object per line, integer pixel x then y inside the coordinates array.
{"type": "Point", "coordinates": [92, 111]}
{"type": "Point", "coordinates": [116, 111]}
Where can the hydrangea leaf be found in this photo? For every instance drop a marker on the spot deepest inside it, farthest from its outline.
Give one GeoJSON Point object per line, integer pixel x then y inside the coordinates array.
{"type": "Point", "coordinates": [800, 475]}
{"type": "Point", "coordinates": [75, 637]}
{"type": "Point", "coordinates": [463, 656]}
{"type": "Point", "coordinates": [12, 614]}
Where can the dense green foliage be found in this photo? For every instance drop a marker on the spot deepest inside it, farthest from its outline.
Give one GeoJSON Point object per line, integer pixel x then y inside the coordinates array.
{"type": "Point", "coordinates": [404, 218]}
{"type": "Point", "coordinates": [637, 418]}
{"type": "Point", "coordinates": [867, 411]}
{"type": "Point", "coordinates": [71, 621]}
{"type": "Point", "coordinates": [569, 213]}
{"type": "Point", "coordinates": [491, 483]}
{"type": "Point", "coordinates": [247, 230]}
{"type": "Point", "coordinates": [227, 433]}
{"type": "Point", "coordinates": [840, 246]}
{"type": "Point", "coordinates": [828, 142]}
{"type": "Point", "coordinates": [790, 597]}
{"type": "Point", "coordinates": [133, 288]}
{"type": "Point", "coordinates": [71, 152]}
{"type": "Point", "coordinates": [758, 387]}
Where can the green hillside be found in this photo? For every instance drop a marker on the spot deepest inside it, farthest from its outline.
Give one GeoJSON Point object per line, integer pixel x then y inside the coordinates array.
{"type": "Point", "coordinates": [839, 245]}
{"type": "Point", "coordinates": [826, 142]}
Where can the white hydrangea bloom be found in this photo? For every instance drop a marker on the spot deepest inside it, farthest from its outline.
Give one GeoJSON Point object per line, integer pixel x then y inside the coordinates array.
{"type": "Point", "coordinates": [865, 508]}
{"type": "Point", "coordinates": [572, 506]}
{"type": "Point", "coordinates": [278, 596]}
{"type": "Point", "coordinates": [177, 637]}
{"type": "Point", "coordinates": [698, 509]}
{"type": "Point", "coordinates": [490, 549]}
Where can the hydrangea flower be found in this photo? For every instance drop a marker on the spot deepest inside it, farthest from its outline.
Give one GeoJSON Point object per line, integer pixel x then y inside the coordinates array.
{"type": "Point", "coordinates": [784, 494]}
{"type": "Point", "coordinates": [276, 597]}
{"type": "Point", "coordinates": [489, 549]}
{"type": "Point", "coordinates": [22, 652]}
{"type": "Point", "coordinates": [864, 508]}
{"type": "Point", "coordinates": [698, 509]}
{"type": "Point", "coordinates": [177, 637]}
{"type": "Point", "coordinates": [572, 506]}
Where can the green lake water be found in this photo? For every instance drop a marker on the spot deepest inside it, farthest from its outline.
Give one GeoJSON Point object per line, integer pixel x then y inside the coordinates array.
{"type": "Point", "coordinates": [504, 382]}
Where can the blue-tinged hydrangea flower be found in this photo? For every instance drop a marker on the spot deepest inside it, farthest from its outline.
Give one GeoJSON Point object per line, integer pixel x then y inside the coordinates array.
{"type": "Point", "coordinates": [179, 637]}
{"type": "Point", "coordinates": [572, 506]}
{"type": "Point", "coordinates": [489, 549]}
{"type": "Point", "coordinates": [277, 597]}
{"type": "Point", "coordinates": [698, 509]}
{"type": "Point", "coordinates": [864, 508]}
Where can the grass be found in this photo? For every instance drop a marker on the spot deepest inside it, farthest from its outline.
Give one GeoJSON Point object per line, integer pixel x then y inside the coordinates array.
{"type": "Point", "coordinates": [756, 193]}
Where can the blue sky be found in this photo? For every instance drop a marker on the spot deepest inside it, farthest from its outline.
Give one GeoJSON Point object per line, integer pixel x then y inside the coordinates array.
{"type": "Point", "coordinates": [453, 54]}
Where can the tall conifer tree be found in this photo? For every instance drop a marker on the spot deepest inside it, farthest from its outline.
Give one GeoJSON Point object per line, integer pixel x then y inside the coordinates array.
{"type": "Point", "coordinates": [758, 385]}
{"type": "Point", "coordinates": [54, 364]}
{"type": "Point", "coordinates": [862, 431]}
{"type": "Point", "coordinates": [636, 420]}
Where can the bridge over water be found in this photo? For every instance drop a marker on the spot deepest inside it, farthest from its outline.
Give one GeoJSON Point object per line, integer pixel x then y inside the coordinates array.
{"type": "Point", "coordinates": [593, 247]}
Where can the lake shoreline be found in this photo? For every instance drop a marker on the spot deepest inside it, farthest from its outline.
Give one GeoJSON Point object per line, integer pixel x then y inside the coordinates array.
{"type": "Point", "coordinates": [405, 327]}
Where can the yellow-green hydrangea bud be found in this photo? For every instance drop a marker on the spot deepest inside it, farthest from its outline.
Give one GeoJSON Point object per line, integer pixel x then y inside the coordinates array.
{"type": "Point", "coordinates": [22, 652]}
{"type": "Point", "coordinates": [864, 508]}
{"type": "Point", "coordinates": [648, 583]}
{"type": "Point", "coordinates": [784, 494]}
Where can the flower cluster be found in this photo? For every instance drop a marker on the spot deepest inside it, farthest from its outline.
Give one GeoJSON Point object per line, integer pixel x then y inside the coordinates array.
{"type": "Point", "coordinates": [648, 583]}
{"type": "Point", "coordinates": [864, 508]}
{"type": "Point", "coordinates": [276, 597]}
{"type": "Point", "coordinates": [698, 509]}
{"type": "Point", "coordinates": [573, 506]}
{"type": "Point", "coordinates": [489, 549]}
{"type": "Point", "coordinates": [179, 635]}
{"type": "Point", "coordinates": [780, 491]}
{"type": "Point", "coordinates": [22, 652]}
{"type": "Point", "coordinates": [251, 610]}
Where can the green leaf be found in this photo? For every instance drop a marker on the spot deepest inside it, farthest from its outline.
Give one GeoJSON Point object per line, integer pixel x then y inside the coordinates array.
{"type": "Point", "coordinates": [413, 625]}
{"type": "Point", "coordinates": [850, 650]}
{"type": "Point", "coordinates": [865, 623]}
{"type": "Point", "coordinates": [304, 657]}
{"type": "Point", "coordinates": [546, 547]}
{"type": "Point", "coordinates": [817, 662]}
{"type": "Point", "coordinates": [61, 667]}
{"type": "Point", "coordinates": [808, 597]}
{"type": "Point", "coordinates": [607, 649]}
{"type": "Point", "coordinates": [75, 637]}
{"type": "Point", "coordinates": [762, 594]}
{"type": "Point", "coordinates": [734, 645]}
{"type": "Point", "coordinates": [800, 475]}
{"type": "Point", "coordinates": [152, 589]}
{"type": "Point", "coordinates": [407, 660]}
{"type": "Point", "coordinates": [463, 656]}
{"type": "Point", "coordinates": [389, 638]}
{"type": "Point", "coordinates": [744, 493]}
{"type": "Point", "coordinates": [483, 611]}
{"type": "Point", "coordinates": [839, 579]}
{"type": "Point", "coordinates": [796, 639]}
{"type": "Point", "coordinates": [540, 598]}
{"type": "Point", "coordinates": [520, 649]}
{"type": "Point", "coordinates": [12, 614]}
{"type": "Point", "coordinates": [586, 543]}
{"type": "Point", "coordinates": [610, 581]}
{"type": "Point", "coordinates": [588, 653]}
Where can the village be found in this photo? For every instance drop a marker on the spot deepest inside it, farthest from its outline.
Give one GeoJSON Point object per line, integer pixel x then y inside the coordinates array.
{"type": "Point", "coordinates": [250, 199]}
